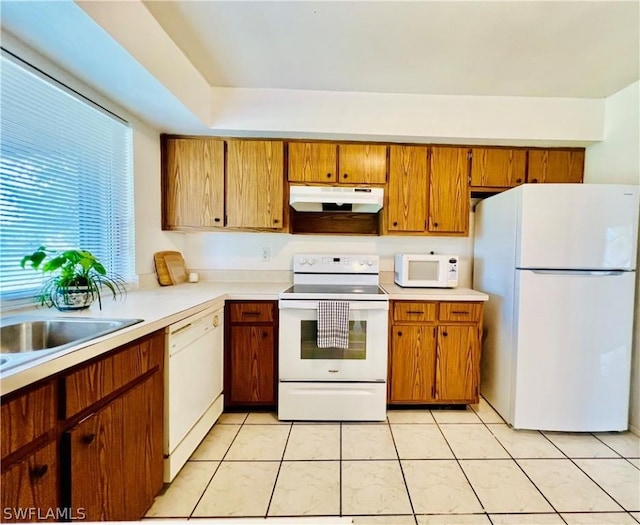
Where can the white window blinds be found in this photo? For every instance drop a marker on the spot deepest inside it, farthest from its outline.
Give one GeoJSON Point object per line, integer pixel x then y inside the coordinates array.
{"type": "Point", "coordinates": [66, 178]}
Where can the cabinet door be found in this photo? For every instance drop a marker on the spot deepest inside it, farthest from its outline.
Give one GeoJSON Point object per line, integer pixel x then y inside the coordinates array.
{"type": "Point", "coordinates": [407, 208]}
{"type": "Point", "coordinates": [413, 358]}
{"type": "Point", "coordinates": [116, 455]}
{"type": "Point", "coordinates": [252, 363]}
{"type": "Point", "coordinates": [255, 173]}
{"type": "Point", "coordinates": [498, 167]}
{"type": "Point", "coordinates": [457, 363]}
{"type": "Point", "coordinates": [312, 162]}
{"type": "Point", "coordinates": [29, 487]}
{"type": "Point", "coordinates": [555, 165]}
{"type": "Point", "coordinates": [448, 191]}
{"type": "Point", "coordinates": [193, 183]}
{"type": "Point", "coordinates": [363, 163]}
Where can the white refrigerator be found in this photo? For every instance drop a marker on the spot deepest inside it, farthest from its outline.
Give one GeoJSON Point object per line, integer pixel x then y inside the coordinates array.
{"type": "Point", "coordinates": [558, 262]}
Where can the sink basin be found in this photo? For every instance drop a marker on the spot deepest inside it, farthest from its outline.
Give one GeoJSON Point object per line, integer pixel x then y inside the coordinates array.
{"type": "Point", "coordinates": [23, 338]}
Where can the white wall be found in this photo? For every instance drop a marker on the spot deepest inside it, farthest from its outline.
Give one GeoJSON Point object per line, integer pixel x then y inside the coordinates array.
{"type": "Point", "coordinates": [617, 160]}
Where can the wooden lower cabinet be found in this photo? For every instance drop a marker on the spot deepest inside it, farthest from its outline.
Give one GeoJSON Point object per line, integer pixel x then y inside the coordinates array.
{"type": "Point", "coordinates": [250, 348]}
{"type": "Point", "coordinates": [30, 487]}
{"type": "Point", "coordinates": [434, 352]}
{"type": "Point", "coordinates": [116, 456]}
{"type": "Point", "coordinates": [102, 459]}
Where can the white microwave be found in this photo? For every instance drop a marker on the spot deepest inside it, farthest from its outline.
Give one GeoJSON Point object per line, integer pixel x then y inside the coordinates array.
{"type": "Point", "coordinates": [426, 271]}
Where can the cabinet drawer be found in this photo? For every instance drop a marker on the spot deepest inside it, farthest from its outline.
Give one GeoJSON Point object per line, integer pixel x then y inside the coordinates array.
{"type": "Point", "coordinates": [27, 417]}
{"type": "Point", "coordinates": [420, 311]}
{"type": "Point", "coordinates": [93, 382]}
{"type": "Point", "coordinates": [251, 312]}
{"type": "Point", "coordinates": [469, 312]}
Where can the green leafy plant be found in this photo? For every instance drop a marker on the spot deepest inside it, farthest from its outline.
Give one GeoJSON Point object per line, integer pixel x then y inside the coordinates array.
{"type": "Point", "coordinates": [72, 272]}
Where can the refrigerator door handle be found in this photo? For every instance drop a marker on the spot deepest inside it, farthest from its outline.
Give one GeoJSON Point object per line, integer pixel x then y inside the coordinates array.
{"type": "Point", "coordinates": [586, 273]}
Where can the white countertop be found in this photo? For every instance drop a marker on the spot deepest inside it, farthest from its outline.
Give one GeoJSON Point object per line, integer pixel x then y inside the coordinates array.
{"type": "Point", "coordinates": [432, 294]}
{"type": "Point", "coordinates": [160, 307]}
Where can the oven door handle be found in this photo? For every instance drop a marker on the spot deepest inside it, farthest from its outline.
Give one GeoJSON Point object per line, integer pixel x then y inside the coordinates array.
{"type": "Point", "coordinates": [313, 305]}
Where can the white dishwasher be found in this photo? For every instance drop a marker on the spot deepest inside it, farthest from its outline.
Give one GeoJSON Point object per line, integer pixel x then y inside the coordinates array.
{"type": "Point", "coordinates": [193, 384]}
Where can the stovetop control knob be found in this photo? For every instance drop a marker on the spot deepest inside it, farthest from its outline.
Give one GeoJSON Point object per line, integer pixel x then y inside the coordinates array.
{"type": "Point", "coordinates": [311, 262]}
{"type": "Point", "coordinates": [303, 261]}
{"type": "Point", "coordinates": [370, 263]}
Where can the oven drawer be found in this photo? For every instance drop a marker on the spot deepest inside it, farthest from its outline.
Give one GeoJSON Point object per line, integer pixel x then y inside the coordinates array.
{"type": "Point", "coordinates": [422, 311]}
{"type": "Point", "coordinates": [252, 312]}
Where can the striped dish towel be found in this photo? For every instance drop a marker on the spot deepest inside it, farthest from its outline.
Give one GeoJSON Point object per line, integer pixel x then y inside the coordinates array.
{"type": "Point", "coordinates": [333, 324]}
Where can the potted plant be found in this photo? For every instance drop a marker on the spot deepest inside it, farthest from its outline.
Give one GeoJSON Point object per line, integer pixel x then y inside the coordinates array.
{"type": "Point", "coordinates": [76, 281]}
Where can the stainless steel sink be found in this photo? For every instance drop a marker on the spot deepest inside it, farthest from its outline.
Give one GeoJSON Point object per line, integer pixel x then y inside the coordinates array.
{"type": "Point", "coordinates": [23, 338]}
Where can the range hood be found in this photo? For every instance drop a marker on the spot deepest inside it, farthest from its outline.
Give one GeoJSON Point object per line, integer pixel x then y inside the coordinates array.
{"type": "Point", "coordinates": [335, 198]}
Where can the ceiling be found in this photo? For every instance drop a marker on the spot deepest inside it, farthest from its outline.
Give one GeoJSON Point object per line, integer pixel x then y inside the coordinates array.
{"type": "Point", "coordinates": [519, 48]}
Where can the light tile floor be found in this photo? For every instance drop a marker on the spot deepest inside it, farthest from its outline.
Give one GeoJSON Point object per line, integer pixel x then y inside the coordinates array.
{"type": "Point", "coordinates": [420, 467]}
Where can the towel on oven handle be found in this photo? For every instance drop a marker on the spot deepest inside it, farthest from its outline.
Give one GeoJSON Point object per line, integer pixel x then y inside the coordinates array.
{"type": "Point", "coordinates": [333, 324]}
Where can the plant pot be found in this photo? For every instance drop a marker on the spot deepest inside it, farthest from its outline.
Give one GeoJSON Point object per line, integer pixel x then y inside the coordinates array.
{"type": "Point", "coordinates": [73, 298]}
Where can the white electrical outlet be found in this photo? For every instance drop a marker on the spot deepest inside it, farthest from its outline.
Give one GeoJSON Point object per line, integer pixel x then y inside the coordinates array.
{"type": "Point", "coordinates": [266, 254]}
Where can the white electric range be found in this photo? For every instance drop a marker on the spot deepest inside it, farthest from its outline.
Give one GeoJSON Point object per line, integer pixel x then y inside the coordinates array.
{"type": "Point", "coordinates": [333, 384]}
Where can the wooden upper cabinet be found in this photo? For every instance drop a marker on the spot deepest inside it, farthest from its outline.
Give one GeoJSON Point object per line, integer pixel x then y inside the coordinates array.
{"type": "Point", "coordinates": [312, 162]}
{"type": "Point", "coordinates": [362, 163]}
{"type": "Point", "coordinates": [407, 207]}
{"type": "Point", "coordinates": [448, 191]}
{"type": "Point", "coordinates": [255, 173]}
{"type": "Point", "coordinates": [193, 182]}
{"type": "Point", "coordinates": [498, 167]}
{"type": "Point", "coordinates": [555, 166]}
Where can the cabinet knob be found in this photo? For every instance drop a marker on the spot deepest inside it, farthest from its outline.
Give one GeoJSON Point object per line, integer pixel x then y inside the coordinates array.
{"type": "Point", "coordinates": [395, 223]}
{"type": "Point", "coordinates": [276, 221]}
{"type": "Point", "coordinates": [216, 321]}
{"type": "Point", "coordinates": [264, 335]}
{"type": "Point", "coordinates": [444, 334]}
{"type": "Point", "coordinates": [400, 334]}
{"type": "Point", "coordinates": [534, 180]}
{"type": "Point", "coordinates": [328, 175]}
{"type": "Point", "coordinates": [518, 180]}
{"type": "Point", "coordinates": [37, 471]}
{"type": "Point", "coordinates": [345, 176]}
{"type": "Point", "coordinates": [217, 219]}
{"type": "Point", "coordinates": [435, 224]}
{"type": "Point", "coordinates": [88, 438]}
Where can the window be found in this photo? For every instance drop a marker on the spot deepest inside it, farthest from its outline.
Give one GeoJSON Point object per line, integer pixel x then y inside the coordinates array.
{"type": "Point", "coordinates": [66, 178]}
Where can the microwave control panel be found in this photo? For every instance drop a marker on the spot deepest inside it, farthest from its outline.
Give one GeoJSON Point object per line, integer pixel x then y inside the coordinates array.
{"type": "Point", "coordinates": [452, 274]}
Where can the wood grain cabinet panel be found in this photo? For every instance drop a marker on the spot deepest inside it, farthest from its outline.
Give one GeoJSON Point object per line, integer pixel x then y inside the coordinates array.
{"type": "Point", "coordinates": [252, 373]}
{"type": "Point", "coordinates": [413, 363]}
{"type": "Point", "coordinates": [457, 363]}
{"type": "Point", "coordinates": [555, 166]}
{"type": "Point", "coordinates": [30, 487]}
{"type": "Point", "coordinates": [250, 353]}
{"type": "Point", "coordinates": [434, 357]}
{"type": "Point", "coordinates": [414, 312]}
{"type": "Point", "coordinates": [116, 456]}
{"type": "Point", "coordinates": [313, 162]}
{"type": "Point", "coordinates": [407, 190]}
{"type": "Point", "coordinates": [498, 167]}
{"type": "Point", "coordinates": [93, 382]}
{"type": "Point", "coordinates": [27, 417]}
{"type": "Point", "coordinates": [255, 185]}
{"type": "Point", "coordinates": [193, 182]}
{"type": "Point", "coordinates": [362, 163]}
{"type": "Point", "coordinates": [448, 191]}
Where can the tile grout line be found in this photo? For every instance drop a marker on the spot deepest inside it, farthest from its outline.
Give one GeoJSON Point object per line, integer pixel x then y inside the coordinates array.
{"type": "Point", "coordinates": [520, 466]}
{"type": "Point", "coordinates": [217, 468]}
{"type": "Point", "coordinates": [275, 482]}
{"type": "Point", "coordinates": [404, 479]}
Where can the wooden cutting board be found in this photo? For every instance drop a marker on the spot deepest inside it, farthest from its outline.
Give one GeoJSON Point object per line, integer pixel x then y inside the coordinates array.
{"type": "Point", "coordinates": [176, 267]}
{"type": "Point", "coordinates": [162, 270]}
